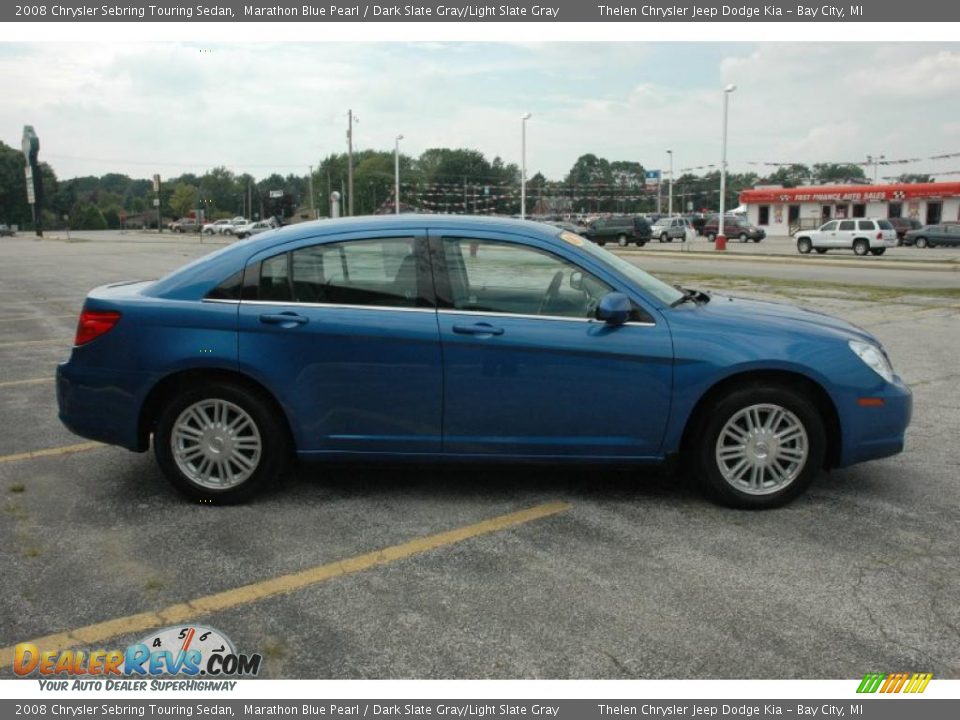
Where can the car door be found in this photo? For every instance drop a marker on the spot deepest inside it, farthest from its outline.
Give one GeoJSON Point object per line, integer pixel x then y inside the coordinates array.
{"type": "Point", "coordinates": [527, 372]}
{"type": "Point", "coordinates": [843, 238]}
{"type": "Point", "coordinates": [344, 332]}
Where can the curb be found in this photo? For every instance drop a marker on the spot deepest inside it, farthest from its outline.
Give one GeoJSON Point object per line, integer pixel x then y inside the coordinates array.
{"type": "Point", "coordinates": [876, 264]}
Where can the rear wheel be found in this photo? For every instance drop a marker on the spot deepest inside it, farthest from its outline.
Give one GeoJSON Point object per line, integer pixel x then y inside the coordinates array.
{"type": "Point", "coordinates": [761, 446]}
{"type": "Point", "coordinates": [711, 236]}
{"type": "Point", "coordinates": [804, 246]}
{"type": "Point", "coordinates": [860, 247]}
{"type": "Point", "coordinates": [221, 443]}
{"type": "Point", "coordinates": [622, 240]}
{"type": "Point", "coordinates": [664, 237]}
{"type": "Point", "coordinates": [743, 237]}
{"type": "Point", "coordinates": [878, 251]}
{"type": "Point", "coordinates": [921, 242]}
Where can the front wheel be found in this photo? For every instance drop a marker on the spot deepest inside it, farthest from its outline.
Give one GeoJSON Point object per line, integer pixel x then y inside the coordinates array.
{"type": "Point", "coordinates": [921, 242]}
{"type": "Point", "coordinates": [664, 237]}
{"type": "Point", "coordinates": [804, 246]}
{"type": "Point", "coordinates": [221, 443]}
{"type": "Point", "coordinates": [622, 240]}
{"type": "Point", "coordinates": [711, 236]}
{"type": "Point", "coordinates": [761, 446]}
{"type": "Point", "coordinates": [743, 237]}
{"type": "Point", "coordinates": [861, 247]}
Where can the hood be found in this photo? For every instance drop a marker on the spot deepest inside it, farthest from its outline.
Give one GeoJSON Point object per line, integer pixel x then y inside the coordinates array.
{"type": "Point", "coordinates": [777, 317]}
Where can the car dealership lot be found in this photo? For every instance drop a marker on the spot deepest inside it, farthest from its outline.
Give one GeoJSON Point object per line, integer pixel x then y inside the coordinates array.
{"type": "Point", "coordinates": [632, 576]}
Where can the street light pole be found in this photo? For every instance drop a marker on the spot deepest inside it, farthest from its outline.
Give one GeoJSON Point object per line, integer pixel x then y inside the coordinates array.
{"type": "Point", "coordinates": [313, 214]}
{"type": "Point", "coordinates": [523, 165]}
{"type": "Point", "coordinates": [670, 201]}
{"type": "Point", "coordinates": [396, 174]}
{"type": "Point", "coordinates": [721, 242]}
{"type": "Point", "coordinates": [350, 120]}
{"type": "Point", "coordinates": [875, 161]}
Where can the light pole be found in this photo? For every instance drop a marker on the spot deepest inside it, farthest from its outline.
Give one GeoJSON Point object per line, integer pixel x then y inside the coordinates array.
{"type": "Point", "coordinates": [523, 165]}
{"type": "Point", "coordinates": [670, 201]}
{"type": "Point", "coordinates": [721, 242]}
{"type": "Point", "coordinates": [875, 161]}
{"type": "Point", "coordinates": [396, 174]}
{"type": "Point", "coordinates": [351, 119]}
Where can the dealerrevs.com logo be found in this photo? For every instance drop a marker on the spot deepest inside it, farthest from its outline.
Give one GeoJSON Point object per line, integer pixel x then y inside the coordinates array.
{"type": "Point", "coordinates": [185, 652]}
{"type": "Point", "coordinates": [902, 682]}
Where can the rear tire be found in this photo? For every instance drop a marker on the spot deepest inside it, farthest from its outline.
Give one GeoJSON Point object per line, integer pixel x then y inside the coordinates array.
{"type": "Point", "coordinates": [921, 242]}
{"type": "Point", "coordinates": [761, 447]}
{"type": "Point", "coordinates": [804, 246]}
{"type": "Point", "coordinates": [711, 236]}
{"type": "Point", "coordinates": [861, 247]}
{"type": "Point", "coordinates": [221, 443]}
{"type": "Point", "coordinates": [664, 237]}
{"type": "Point", "coordinates": [743, 237]}
{"type": "Point", "coordinates": [622, 240]}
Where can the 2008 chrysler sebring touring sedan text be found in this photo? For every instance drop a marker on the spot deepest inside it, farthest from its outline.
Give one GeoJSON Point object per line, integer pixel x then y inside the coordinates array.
{"type": "Point", "coordinates": [439, 337]}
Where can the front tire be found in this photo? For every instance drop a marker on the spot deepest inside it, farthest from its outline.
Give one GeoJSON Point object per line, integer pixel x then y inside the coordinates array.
{"type": "Point", "coordinates": [664, 237]}
{"type": "Point", "coordinates": [804, 246]}
{"type": "Point", "coordinates": [622, 240]}
{"type": "Point", "coordinates": [761, 447]}
{"type": "Point", "coordinates": [743, 237]}
{"type": "Point", "coordinates": [921, 242]}
{"type": "Point", "coordinates": [221, 443]}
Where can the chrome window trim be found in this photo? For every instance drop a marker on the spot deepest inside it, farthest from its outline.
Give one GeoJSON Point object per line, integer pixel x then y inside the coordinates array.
{"type": "Point", "coordinates": [340, 306]}
{"type": "Point", "coordinates": [560, 318]}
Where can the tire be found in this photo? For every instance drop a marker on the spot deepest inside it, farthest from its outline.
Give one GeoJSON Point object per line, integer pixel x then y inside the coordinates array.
{"type": "Point", "coordinates": [259, 461]}
{"type": "Point", "coordinates": [664, 237]}
{"type": "Point", "coordinates": [599, 241]}
{"type": "Point", "coordinates": [756, 240]}
{"type": "Point", "coordinates": [743, 237]}
{"type": "Point", "coordinates": [711, 236]}
{"type": "Point", "coordinates": [877, 252]}
{"type": "Point", "coordinates": [641, 243]}
{"type": "Point", "coordinates": [860, 247]}
{"type": "Point", "coordinates": [622, 240]}
{"type": "Point", "coordinates": [921, 242]}
{"type": "Point", "coordinates": [821, 251]}
{"type": "Point", "coordinates": [804, 246]}
{"type": "Point", "coordinates": [762, 483]}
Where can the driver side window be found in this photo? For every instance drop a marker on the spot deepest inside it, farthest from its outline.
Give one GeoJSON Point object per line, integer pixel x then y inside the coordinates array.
{"type": "Point", "coordinates": [499, 277]}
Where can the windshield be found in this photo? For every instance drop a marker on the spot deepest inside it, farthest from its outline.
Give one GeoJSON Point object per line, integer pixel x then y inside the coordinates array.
{"type": "Point", "coordinates": [663, 292]}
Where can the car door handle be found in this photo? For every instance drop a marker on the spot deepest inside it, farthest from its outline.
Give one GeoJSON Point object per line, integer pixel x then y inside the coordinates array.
{"type": "Point", "coordinates": [284, 318]}
{"type": "Point", "coordinates": [478, 329]}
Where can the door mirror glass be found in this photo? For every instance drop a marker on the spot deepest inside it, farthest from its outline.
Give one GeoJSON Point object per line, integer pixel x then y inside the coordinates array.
{"type": "Point", "coordinates": [576, 280]}
{"type": "Point", "coordinates": [614, 308]}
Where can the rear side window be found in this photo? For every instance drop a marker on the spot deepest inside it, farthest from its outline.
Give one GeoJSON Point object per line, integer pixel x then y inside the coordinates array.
{"type": "Point", "coordinates": [382, 272]}
{"type": "Point", "coordinates": [832, 225]}
{"type": "Point", "coordinates": [867, 225]}
{"type": "Point", "coordinates": [847, 225]}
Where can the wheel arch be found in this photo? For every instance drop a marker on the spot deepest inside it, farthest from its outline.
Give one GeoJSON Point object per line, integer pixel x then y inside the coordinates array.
{"type": "Point", "coordinates": [169, 386]}
{"type": "Point", "coordinates": [792, 380]}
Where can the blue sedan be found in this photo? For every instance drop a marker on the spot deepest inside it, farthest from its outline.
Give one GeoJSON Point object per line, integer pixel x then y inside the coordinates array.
{"type": "Point", "coordinates": [457, 338]}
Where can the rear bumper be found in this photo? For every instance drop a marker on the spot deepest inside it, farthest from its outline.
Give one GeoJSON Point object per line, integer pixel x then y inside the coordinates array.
{"type": "Point", "coordinates": [102, 405]}
{"type": "Point", "coordinates": [876, 432]}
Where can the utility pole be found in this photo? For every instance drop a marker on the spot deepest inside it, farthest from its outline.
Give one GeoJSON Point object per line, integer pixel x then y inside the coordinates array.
{"type": "Point", "coordinates": [350, 120]}
{"type": "Point", "coordinates": [313, 213]}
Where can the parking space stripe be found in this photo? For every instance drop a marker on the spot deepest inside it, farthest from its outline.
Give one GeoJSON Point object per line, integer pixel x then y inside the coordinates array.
{"type": "Point", "coordinates": [24, 318]}
{"type": "Point", "coordinates": [50, 452]}
{"type": "Point", "coordinates": [33, 381]}
{"type": "Point", "coordinates": [51, 341]}
{"type": "Point", "coordinates": [281, 585]}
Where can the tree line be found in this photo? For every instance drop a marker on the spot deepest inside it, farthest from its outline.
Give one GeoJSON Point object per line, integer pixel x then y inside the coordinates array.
{"type": "Point", "coordinates": [439, 180]}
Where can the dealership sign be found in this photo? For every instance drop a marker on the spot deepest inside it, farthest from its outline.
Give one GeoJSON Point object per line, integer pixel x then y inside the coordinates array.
{"type": "Point", "coordinates": [851, 193]}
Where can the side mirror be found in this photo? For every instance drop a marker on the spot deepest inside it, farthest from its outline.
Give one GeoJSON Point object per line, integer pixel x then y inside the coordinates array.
{"type": "Point", "coordinates": [576, 280]}
{"type": "Point", "coordinates": [614, 308]}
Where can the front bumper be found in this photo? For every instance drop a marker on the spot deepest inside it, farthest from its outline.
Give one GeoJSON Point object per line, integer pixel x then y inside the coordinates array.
{"type": "Point", "coordinates": [870, 433]}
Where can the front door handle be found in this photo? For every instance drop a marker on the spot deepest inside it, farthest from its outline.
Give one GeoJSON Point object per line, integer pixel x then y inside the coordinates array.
{"type": "Point", "coordinates": [478, 329]}
{"type": "Point", "coordinates": [286, 319]}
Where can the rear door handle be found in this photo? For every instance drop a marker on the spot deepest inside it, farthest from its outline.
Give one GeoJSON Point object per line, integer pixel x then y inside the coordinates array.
{"type": "Point", "coordinates": [478, 329]}
{"type": "Point", "coordinates": [287, 319]}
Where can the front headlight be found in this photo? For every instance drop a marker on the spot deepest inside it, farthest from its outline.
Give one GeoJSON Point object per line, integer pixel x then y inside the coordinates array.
{"type": "Point", "coordinates": [874, 358]}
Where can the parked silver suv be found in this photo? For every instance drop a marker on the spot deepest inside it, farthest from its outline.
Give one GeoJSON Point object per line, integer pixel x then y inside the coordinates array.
{"type": "Point", "coordinates": [862, 235]}
{"type": "Point", "coordinates": [669, 229]}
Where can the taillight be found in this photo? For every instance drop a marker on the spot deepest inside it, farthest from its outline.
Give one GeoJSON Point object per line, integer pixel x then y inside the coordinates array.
{"type": "Point", "coordinates": [93, 324]}
{"type": "Point", "coordinates": [879, 236]}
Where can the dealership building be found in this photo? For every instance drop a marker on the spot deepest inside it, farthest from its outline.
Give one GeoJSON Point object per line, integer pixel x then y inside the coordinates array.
{"type": "Point", "coordinates": [782, 211]}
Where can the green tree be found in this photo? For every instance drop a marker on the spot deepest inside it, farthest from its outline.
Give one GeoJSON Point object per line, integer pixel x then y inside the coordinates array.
{"type": "Point", "coordinates": [184, 199]}
{"type": "Point", "coordinates": [837, 172]}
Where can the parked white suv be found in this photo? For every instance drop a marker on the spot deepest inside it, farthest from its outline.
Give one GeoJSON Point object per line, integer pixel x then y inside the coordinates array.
{"type": "Point", "coordinates": [862, 235]}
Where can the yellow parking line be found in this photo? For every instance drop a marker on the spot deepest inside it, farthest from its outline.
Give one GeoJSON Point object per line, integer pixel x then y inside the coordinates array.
{"type": "Point", "coordinates": [50, 452]}
{"type": "Point", "coordinates": [18, 383]}
{"type": "Point", "coordinates": [185, 612]}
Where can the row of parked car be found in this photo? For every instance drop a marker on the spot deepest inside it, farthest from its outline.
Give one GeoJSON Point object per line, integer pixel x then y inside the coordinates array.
{"type": "Point", "coordinates": [238, 227]}
{"type": "Point", "coordinates": [637, 229]}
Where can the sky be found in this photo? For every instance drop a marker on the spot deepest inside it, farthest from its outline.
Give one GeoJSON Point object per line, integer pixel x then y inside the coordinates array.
{"type": "Point", "coordinates": [170, 108]}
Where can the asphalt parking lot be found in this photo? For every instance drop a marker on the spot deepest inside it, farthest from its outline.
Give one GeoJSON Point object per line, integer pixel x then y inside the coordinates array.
{"type": "Point", "coordinates": [613, 573]}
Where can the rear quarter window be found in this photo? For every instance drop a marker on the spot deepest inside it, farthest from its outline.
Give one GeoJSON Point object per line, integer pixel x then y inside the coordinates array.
{"type": "Point", "coordinates": [884, 225]}
{"type": "Point", "coordinates": [867, 225]}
